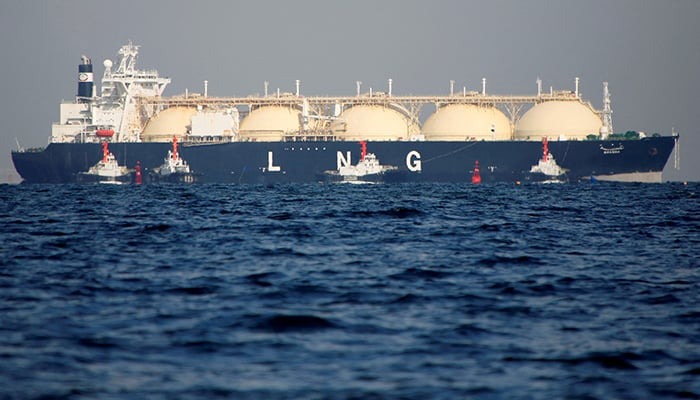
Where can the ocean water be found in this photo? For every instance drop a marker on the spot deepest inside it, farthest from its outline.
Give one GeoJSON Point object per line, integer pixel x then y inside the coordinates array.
{"type": "Point", "coordinates": [574, 291]}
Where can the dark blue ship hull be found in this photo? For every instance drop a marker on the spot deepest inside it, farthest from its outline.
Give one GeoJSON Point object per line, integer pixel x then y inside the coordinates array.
{"type": "Point", "coordinates": [273, 162]}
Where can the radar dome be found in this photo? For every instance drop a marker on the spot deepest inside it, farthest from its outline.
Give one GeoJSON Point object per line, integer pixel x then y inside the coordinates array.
{"type": "Point", "coordinates": [467, 122]}
{"type": "Point", "coordinates": [269, 123]}
{"type": "Point", "coordinates": [374, 122]}
{"type": "Point", "coordinates": [558, 119]}
{"type": "Point", "coordinates": [107, 63]}
{"type": "Point", "coordinates": [170, 122]}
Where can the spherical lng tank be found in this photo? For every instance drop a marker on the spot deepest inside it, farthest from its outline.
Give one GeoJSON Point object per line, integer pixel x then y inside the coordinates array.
{"type": "Point", "coordinates": [374, 122]}
{"type": "Point", "coordinates": [173, 121]}
{"type": "Point", "coordinates": [269, 123]}
{"type": "Point", "coordinates": [571, 120]}
{"type": "Point", "coordinates": [456, 122]}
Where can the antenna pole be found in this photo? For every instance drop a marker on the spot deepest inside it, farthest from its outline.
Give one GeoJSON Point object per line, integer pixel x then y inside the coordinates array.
{"type": "Point", "coordinates": [607, 111]}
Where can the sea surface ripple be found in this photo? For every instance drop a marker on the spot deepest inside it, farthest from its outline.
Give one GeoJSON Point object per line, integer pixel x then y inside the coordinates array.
{"type": "Point", "coordinates": [576, 291]}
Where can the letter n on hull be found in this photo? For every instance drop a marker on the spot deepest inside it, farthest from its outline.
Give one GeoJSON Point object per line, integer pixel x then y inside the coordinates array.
{"type": "Point", "coordinates": [343, 160]}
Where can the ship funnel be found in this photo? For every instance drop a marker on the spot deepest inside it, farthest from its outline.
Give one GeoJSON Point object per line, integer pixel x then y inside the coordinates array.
{"type": "Point", "coordinates": [85, 79]}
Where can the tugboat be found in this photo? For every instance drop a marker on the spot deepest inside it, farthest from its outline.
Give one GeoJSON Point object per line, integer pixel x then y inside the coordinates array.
{"type": "Point", "coordinates": [174, 168]}
{"type": "Point", "coordinates": [107, 170]}
{"type": "Point", "coordinates": [367, 170]}
{"type": "Point", "coordinates": [547, 170]}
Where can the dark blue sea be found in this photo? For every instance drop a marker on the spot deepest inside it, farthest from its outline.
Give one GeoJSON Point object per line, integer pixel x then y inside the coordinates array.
{"type": "Point", "coordinates": [418, 291]}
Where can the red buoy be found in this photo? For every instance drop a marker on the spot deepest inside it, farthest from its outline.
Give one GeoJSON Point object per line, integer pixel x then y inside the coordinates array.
{"type": "Point", "coordinates": [476, 176]}
{"type": "Point", "coordinates": [137, 178]}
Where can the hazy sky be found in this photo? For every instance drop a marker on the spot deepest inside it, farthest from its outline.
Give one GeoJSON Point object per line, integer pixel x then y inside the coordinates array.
{"type": "Point", "coordinates": [649, 51]}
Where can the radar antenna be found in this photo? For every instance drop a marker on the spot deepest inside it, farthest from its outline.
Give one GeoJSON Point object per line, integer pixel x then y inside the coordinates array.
{"type": "Point", "coordinates": [127, 62]}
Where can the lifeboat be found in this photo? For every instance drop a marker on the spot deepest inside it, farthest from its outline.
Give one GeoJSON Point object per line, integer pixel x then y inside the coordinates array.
{"type": "Point", "coordinates": [103, 132]}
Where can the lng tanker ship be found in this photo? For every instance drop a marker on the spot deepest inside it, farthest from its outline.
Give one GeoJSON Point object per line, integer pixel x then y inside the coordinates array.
{"type": "Point", "coordinates": [288, 137]}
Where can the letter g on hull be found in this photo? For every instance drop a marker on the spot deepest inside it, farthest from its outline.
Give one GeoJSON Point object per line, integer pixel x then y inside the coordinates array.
{"type": "Point", "coordinates": [413, 162]}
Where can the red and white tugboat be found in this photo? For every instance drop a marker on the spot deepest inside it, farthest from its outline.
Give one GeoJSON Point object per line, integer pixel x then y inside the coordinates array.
{"type": "Point", "coordinates": [107, 170]}
{"type": "Point", "coordinates": [547, 170]}
{"type": "Point", "coordinates": [367, 170]}
{"type": "Point", "coordinates": [174, 168]}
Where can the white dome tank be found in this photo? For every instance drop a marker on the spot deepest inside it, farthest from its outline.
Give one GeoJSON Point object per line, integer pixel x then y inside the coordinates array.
{"type": "Point", "coordinates": [173, 121]}
{"type": "Point", "coordinates": [570, 120]}
{"type": "Point", "coordinates": [269, 123]}
{"type": "Point", "coordinates": [374, 122]}
{"type": "Point", "coordinates": [467, 122]}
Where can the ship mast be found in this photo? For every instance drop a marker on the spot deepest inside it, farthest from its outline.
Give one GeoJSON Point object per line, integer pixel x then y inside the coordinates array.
{"type": "Point", "coordinates": [607, 128]}
{"type": "Point", "coordinates": [119, 89]}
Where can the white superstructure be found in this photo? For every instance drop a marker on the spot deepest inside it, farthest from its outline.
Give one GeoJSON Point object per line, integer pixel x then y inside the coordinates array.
{"type": "Point", "coordinates": [114, 112]}
{"type": "Point", "coordinates": [547, 166]}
